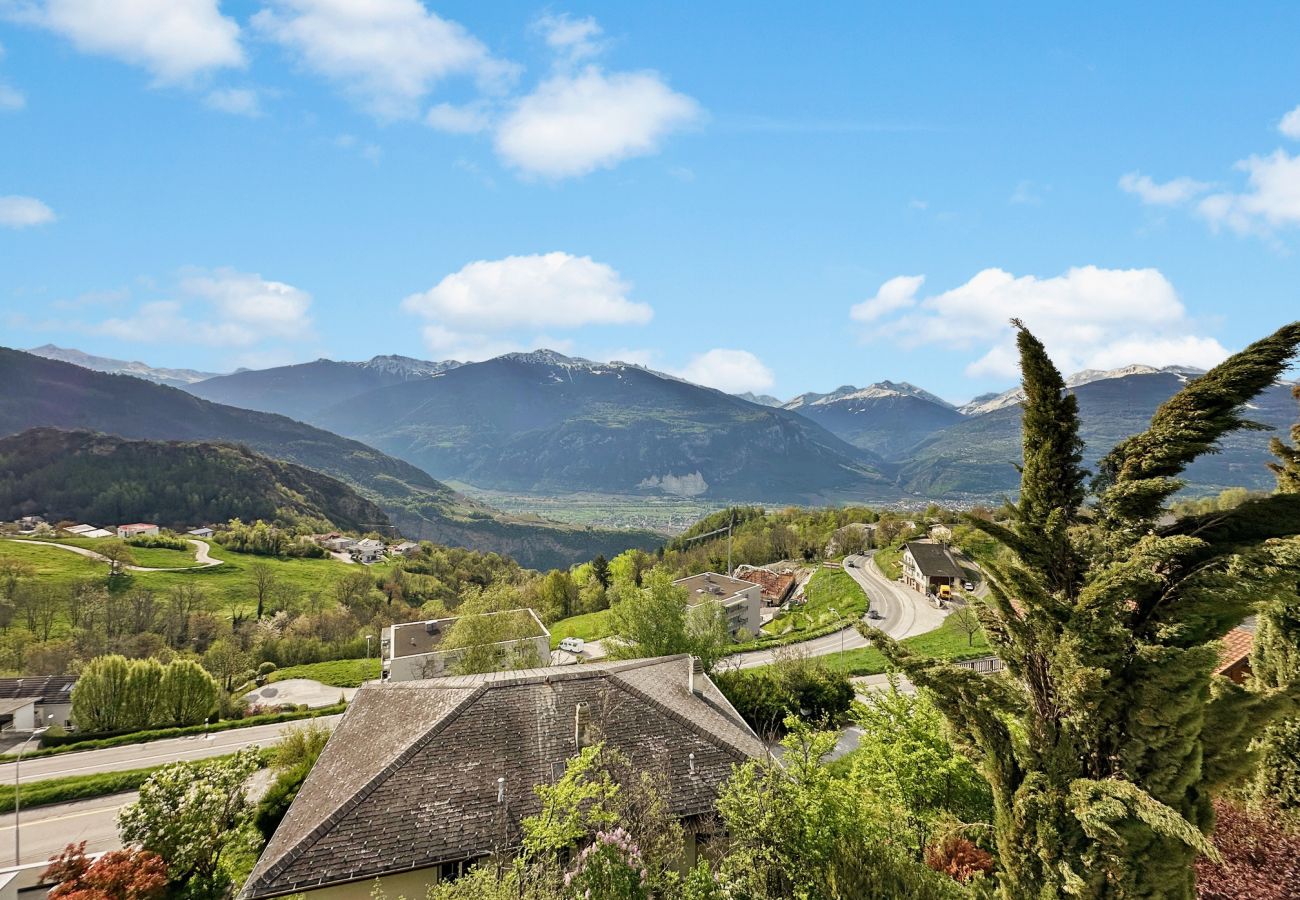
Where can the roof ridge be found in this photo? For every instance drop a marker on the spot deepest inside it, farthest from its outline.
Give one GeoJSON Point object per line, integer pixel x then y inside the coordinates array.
{"type": "Point", "coordinates": [681, 719]}
{"type": "Point", "coordinates": [359, 796]}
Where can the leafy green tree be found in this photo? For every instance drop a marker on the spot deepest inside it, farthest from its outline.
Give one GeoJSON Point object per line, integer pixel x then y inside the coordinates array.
{"type": "Point", "coordinates": [1108, 737]}
{"type": "Point", "coordinates": [226, 662]}
{"type": "Point", "coordinates": [189, 694]}
{"type": "Point", "coordinates": [144, 700]}
{"type": "Point", "coordinates": [577, 805]}
{"type": "Point", "coordinates": [630, 566]}
{"type": "Point", "coordinates": [117, 554]}
{"type": "Point", "coordinates": [658, 620]}
{"type": "Point", "coordinates": [907, 764]}
{"type": "Point", "coordinates": [100, 697]}
{"type": "Point", "coordinates": [189, 812]}
{"type": "Point", "coordinates": [1275, 659]}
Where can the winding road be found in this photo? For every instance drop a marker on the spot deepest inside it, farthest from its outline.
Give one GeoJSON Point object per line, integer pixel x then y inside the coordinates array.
{"type": "Point", "coordinates": [903, 613]}
{"type": "Point", "coordinates": [202, 555]}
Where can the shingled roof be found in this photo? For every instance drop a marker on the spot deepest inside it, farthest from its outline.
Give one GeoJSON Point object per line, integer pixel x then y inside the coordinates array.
{"type": "Point", "coordinates": [934, 560]}
{"type": "Point", "coordinates": [46, 688]}
{"type": "Point", "coordinates": [409, 778]}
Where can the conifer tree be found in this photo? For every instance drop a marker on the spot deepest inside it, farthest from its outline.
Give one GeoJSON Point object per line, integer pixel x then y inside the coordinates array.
{"type": "Point", "coordinates": [1108, 735]}
{"type": "Point", "coordinates": [1275, 658]}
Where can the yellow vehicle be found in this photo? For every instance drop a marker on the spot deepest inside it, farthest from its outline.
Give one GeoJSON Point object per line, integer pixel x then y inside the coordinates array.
{"type": "Point", "coordinates": [945, 592]}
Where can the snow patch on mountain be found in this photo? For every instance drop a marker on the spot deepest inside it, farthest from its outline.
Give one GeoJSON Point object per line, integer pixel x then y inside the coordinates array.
{"type": "Point", "coordinates": [987, 403]}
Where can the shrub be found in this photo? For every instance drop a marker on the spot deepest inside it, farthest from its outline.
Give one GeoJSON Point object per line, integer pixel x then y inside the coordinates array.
{"type": "Point", "coordinates": [117, 875]}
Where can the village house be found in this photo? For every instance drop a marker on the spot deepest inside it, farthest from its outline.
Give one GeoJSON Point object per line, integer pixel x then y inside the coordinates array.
{"type": "Point", "coordinates": [367, 550]}
{"type": "Point", "coordinates": [202, 531]}
{"type": "Point", "coordinates": [422, 778]}
{"type": "Point", "coordinates": [1234, 657]}
{"type": "Point", "coordinates": [405, 548]}
{"type": "Point", "coordinates": [740, 600]}
{"type": "Point", "coordinates": [31, 524]}
{"type": "Point", "coordinates": [928, 566]}
{"type": "Point", "coordinates": [776, 587]}
{"type": "Point", "coordinates": [88, 531]}
{"type": "Point", "coordinates": [337, 543]}
{"type": "Point", "coordinates": [137, 529]}
{"type": "Point", "coordinates": [414, 650]}
{"type": "Point", "coordinates": [32, 702]}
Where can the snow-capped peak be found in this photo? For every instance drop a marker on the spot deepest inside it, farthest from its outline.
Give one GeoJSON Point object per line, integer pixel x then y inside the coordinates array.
{"type": "Point", "coordinates": [878, 391]}
{"type": "Point", "coordinates": [986, 403]}
{"type": "Point", "coordinates": [544, 357]}
{"type": "Point", "coordinates": [406, 365]}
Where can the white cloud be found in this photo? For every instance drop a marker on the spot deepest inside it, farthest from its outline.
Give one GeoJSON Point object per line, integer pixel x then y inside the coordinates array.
{"type": "Point", "coordinates": [1290, 124]}
{"type": "Point", "coordinates": [453, 119]}
{"type": "Point", "coordinates": [11, 99]}
{"type": "Point", "coordinates": [733, 371]}
{"type": "Point", "coordinates": [236, 101]}
{"type": "Point", "coordinates": [551, 290]}
{"type": "Point", "coordinates": [895, 294]}
{"type": "Point", "coordinates": [572, 40]}
{"type": "Point", "coordinates": [175, 40]}
{"type": "Point", "coordinates": [222, 308]}
{"type": "Point", "coordinates": [1271, 201]}
{"type": "Point", "coordinates": [573, 124]}
{"type": "Point", "coordinates": [23, 212]}
{"type": "Point", "coordinates": [1169, 193]}
{"type": "Point", "coordinates": [387, 54]}
{"type": "Point", "coordinates": [1088, 318]}
{"type": "Point", "coordinates": [1027, 193]}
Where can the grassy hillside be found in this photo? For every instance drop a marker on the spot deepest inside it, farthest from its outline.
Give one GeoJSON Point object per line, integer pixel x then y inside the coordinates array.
{"type": "Point", "coordinates": [99, 478]}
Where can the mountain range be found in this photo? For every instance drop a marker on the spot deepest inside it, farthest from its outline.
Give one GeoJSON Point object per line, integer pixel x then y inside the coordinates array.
{"type": "Point", "coordinates": [169, 377]}
{"type": "Point", "coordinates": [42, 392]}
{"type": "Point", "coordinates": [545, 423]}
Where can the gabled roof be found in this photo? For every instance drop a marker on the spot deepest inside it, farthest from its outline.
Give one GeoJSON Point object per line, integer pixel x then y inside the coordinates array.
{"type": "Point", "coordinates": [409, 778]}
{"type": "Point", "coordinates": [47, 688]}
{"type": "Point", "coordinates": [1237, 644]}
{"type": "Point", "coordinates": [934, 560]}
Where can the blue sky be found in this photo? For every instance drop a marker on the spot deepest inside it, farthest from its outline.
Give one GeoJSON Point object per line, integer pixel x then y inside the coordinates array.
{"type": "Point", "coordinates": [772, 199]}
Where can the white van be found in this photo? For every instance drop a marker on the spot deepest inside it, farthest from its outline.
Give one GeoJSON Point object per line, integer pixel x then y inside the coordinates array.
{"type": "Point", "coordinates": [572, 645]}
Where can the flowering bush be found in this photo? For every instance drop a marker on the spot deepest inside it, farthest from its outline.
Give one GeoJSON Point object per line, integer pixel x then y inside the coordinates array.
{"type": "Point", "coordinates": [610, 868]}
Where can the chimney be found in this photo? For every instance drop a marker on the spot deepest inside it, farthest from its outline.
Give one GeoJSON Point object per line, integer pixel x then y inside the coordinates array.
{"type": "Point", "coordinates": [582, 736]}
{"type": "Point", "coordinates": [695, 675]}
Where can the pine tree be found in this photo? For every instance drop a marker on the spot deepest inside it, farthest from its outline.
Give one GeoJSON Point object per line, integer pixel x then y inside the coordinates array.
{"type": "Point", "coordinates": [1109, 734]}
{"type": "Point", "coordinates": [1275, 658]}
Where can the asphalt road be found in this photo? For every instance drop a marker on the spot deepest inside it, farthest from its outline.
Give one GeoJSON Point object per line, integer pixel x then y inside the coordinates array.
{"type": "Point", "coordinates": [903, 614]}
{"type": "Point", "coordinates": [46, 830]}
{"type": "Point", "coordinates": [154, 753]}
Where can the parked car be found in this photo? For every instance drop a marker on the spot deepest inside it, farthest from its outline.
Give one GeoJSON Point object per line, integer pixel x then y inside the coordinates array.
{"type": "Point", "coordinates": [968, 585]}
{"type": "Point", "coordinates": [573, 645]}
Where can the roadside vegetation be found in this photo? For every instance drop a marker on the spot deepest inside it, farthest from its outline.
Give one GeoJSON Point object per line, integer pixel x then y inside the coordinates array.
{"type": "Point", "coordinates": [348, 673]}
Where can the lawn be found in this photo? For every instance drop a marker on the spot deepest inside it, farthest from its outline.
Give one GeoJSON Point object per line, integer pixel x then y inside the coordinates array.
{"type": "Point", "coordinates": [588, 626]}
{"type": "Point", "coordinates": [828, 589]}
{"type": "Point", "coordinates": [229, 586]}
{"type": "Point", "coordinates": [890, 562]}
{"type": "Point", "coordinates": [150, 557]}
{"type": "Point", "coordinates": [337, 673]}
{"type": "Point", "coordinates": [948, 641]}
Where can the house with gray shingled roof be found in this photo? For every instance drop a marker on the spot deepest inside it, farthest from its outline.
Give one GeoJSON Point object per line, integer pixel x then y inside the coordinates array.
{"type": "Point", "coordinates": [927, 566]}
{"type": "Point", "coordinates": [423, 777]}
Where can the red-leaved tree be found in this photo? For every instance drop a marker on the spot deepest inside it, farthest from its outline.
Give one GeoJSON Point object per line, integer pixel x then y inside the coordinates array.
{"type": "Point", "coordinates": [119, 875]}
{"type": "Point", "coordinates": [1261, 861]}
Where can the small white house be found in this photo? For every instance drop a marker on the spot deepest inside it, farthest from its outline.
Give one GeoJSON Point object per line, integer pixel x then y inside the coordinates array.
{"type": "Point", "coordinates": [79, 529]}
{"type": "Point", "coordinates": [138, 529]}
{"type": "Point", "coordinates": [337, 543]}
{"type": "Point", "coordinates": [367, 550]}
{"type": "Point", "coordinates": [405, 548]}
{"type": "Point", "coordinates": [201, 532]}
{"type": "Point", "coordinates": [97, 533]}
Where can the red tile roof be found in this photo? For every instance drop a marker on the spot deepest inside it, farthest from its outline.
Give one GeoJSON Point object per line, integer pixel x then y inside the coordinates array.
{"type": "Point", "coordinates": [775, 587]}
{"type": "Point", "coordinates": [1236, 647]}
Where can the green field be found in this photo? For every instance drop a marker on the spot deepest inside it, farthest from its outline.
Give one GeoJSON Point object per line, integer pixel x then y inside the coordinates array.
{"type": "Point", "coordinates": [228, 587]}
{"type": "Point", "coordinates": [945, 642]}
{"type": "Point", "coordinates": [890, 562]}
{"type": "Point", "coordinates": [588, 626]}
{"type": "Point", "coordinates": [828, 589]}
{"type": "Point", "coordinates": [338, 673]}
{"type": "Point", "coordinates": [150, 557]}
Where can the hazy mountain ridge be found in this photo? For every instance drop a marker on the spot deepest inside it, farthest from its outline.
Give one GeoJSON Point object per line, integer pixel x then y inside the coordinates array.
{"type": "Point", "coordinates": [544, 422]}
{"type": "Point", "coordinates": [42, 392]}
{"type": "Point", "coordinates": [303, 390]}
{"type": "Point", "coordinates": [169, 377]}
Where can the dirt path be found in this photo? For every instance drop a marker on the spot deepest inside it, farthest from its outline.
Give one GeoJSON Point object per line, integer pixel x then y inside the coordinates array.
{"type": "Point", "coordinates": [202, 555]}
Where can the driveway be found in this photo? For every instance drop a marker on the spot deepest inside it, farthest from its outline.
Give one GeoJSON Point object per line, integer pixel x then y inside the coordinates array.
{"type": "Point", "coordinates": [201, 556]}
{"type": "Point", "coordinates": [299, 692]}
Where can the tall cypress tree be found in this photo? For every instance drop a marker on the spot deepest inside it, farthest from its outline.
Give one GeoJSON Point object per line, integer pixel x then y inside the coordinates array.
{"type": "Point", "coordinates": [1275, 658]}
{"type": "Point", "coordinates": [1108, 734]}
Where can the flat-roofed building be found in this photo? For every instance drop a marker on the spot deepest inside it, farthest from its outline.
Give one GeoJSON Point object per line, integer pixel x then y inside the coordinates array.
{"type": "Point", "coordinates": [416, 650]}
{"type": "Point", "coordinates": [741, 601]}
